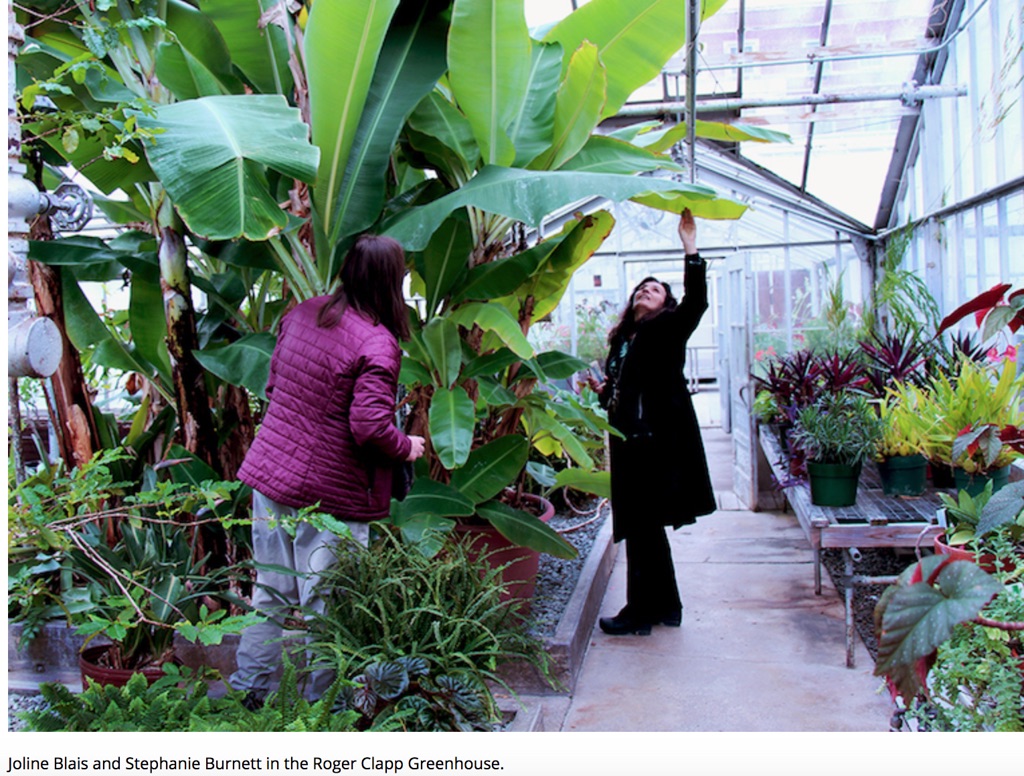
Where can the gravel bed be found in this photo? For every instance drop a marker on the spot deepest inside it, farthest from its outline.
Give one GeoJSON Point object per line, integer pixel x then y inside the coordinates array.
{"type": "Point", "coordinates": [17, 702]}
{"type": "Point", "coordinates": [556, 578]}
{"type": "Point", "coordinates": [875, 563]}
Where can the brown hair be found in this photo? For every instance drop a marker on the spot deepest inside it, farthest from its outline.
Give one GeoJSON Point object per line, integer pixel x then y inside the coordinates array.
{"type": "Point", "coordinates": [371, 282]}
{"type": "Point", "coordinates": [627, 324]}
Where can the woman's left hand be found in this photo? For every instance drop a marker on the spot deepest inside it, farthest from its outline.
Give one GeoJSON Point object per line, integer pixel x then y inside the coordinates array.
{"type": "Point", "coordinates": [688, 232]}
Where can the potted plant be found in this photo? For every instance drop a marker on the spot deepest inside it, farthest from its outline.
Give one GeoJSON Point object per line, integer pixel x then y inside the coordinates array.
{"type": "Point", "coordinates": [128, 566]}
{"type": "Point", "coordinates": [837, 433]}
{"type": "Point", "coordinates": [969, 521]}
{"type": "Point", "coordinates": [901, 466]}
{"type": "Point", "coordinates": [972, 413]}
{"type": "Point", "coordinates": [936, 598]}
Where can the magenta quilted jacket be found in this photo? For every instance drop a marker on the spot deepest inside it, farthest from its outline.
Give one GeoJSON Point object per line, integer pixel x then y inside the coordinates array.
{"type": "Point", "coordinates": [329, 433]}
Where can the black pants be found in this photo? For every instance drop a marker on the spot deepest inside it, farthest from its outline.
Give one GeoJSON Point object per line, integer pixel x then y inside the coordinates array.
{"type": "Point", "coordinates": [651, 591]}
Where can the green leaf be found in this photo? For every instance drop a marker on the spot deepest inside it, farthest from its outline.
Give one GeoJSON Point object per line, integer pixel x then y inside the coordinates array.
{"type": "Point", "coordinates": [491, 468]}
{"type": "Point", "coordinates": [530, 195]}
{"type": "Point", "coordinates": [261, 53]}
{"type": "Point", "coordinates": [245, 362]}
{"type": "Point", "coordinates": [210, 158]}
{"type": "Point", "coordinates": [579, 241]}
{"type": "Point", "coordinates": [437, 118]}
{"type": "Point", "coordinates": [429, 497]}
{"type": "Point", "coordinates": [635, 40]}
{"type": "Point", "coordinates": [451, 425]}
{"type": "Point", "coordinates": [489, 57]}
{"type": "Point", "coordinates": [411, 61]}
{"type": "Point", "coordinates": [598, 483]}
{"type": "Point", "coordinates": [544, 424]}
{"type": "Point", "coordinates": [718, 209]}
{"type": "Point", "coordinates": [146, 316]}
{"type": "Point", "coordinates": [490, 364]}
{"type": "Point", "coordinates": [608, 154]}
{"type": "Point", "coordinates": [494, 393]}
{"type": "Point", "coordinates": [581, 95]}
{"type": "Point", "coordinates": [184, 74]}
{"type": "Point", "coordinates": [919, 617]}
{"type": "Point", "coordinates": [167, 594]}
{"type": "Point", "coordinates": [427, 532]}
{"type": "Point", "coordinates": [525, 530]}
{"type": "Point", "coordinates": [531, 128]}
{"type": "Point", "coordinates": [502, 277]}
{"type": "Point", "coordinates": [442, 341]}
{"type": "Point", "coordinates": [342, 43]}
{"type": "Point", "coordinates": [444, 261]}
{"type": "Point", "coordinates": [1004, 507]}
{"type": "Point", "coordinates": [554, 365]}
{"type": "Point", "coordinates": [493, 317]}
{"type": "Point", "coordinates": [662, 139]}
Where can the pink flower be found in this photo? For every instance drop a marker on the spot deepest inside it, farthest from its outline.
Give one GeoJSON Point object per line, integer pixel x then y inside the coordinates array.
{"type": "Point", "coordinates": [992, 354]}
{"type": "Point", "coordinates": [1010, 354]}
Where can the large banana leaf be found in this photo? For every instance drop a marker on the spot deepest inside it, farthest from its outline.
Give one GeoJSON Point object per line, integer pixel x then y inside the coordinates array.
{"type": "Point", "coordinates": [451, 425]}
{"type": "Point", "coordinates": [662, 139]}
{"type": "Point", "coordinates": [444, 261]}
{"type": "Point", "coordinates": [260, 53]}
{"type": "Point", "coordinates": [609, 154]}
{"type": "Point", "coordinates": [196, 62]}
{"type": "Point", "coordinates": [411, 61]}
{"type": "Point", "coordinates": [634, 40]}
{"type": "Point", "coordinates": [441, 339]}
{"type": "Point", "coordinates": [492, 317]}
{"type": "Point", "coordinates": [526, 530]}
{"type": "Point", "coordinates": [489, 55]}
{"type": "Point", "coordinates": [718, 209]}
{"type": "Point", "coordinates": [579, 242]}
{"type": "Point", "coordinates": [210, 157]}
{"type": "Point", "coordinates": [530, 195]}
{"type": "Point", "coordinates": [245, 362]}
{"type": "Point", "coordinates": [531, 127]}
{"type": "Point", "coordinates": [437, 118]}
{"type": "Point", "coordinates": [581, 95]}
{"type": "Point", "coordinates": [491, 468]}
{"type": "Point", "coordinates": [501, 277]}
{"type": "Point", "coordinates": [597, 483]}
{"type": "Point", "coordinates": [146, 315]}
{"type": "Point", "coordinates": [342, 43]}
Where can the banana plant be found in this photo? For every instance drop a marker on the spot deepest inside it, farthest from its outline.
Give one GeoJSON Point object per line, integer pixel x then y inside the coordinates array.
{"type": "Point", "coordinates": [508, 137]}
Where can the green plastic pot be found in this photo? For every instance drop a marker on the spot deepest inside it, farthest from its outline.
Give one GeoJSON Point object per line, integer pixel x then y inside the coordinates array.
{"type": "Point", "coordinates": [903, 475]}
{"type": "Point", "coordinates": [833, 484]}
{"type": "Point", "coordinates": [974, 484]}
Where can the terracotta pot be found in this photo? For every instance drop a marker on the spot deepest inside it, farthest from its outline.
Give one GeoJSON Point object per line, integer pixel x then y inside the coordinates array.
{"type": "Point", "coordinates": [90, 664]}
{"type": "Point", "coordinates": [521, 575]}
{"type": "Point", "coordinates": [986, 561]}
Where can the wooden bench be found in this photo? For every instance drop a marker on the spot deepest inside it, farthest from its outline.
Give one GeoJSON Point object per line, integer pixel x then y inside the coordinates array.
{"type": "Point", "coordinates": [876, 520]}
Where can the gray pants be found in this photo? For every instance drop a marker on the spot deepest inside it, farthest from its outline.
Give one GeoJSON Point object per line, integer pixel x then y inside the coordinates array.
{"type": "Point", "coordinates": [277, 595]}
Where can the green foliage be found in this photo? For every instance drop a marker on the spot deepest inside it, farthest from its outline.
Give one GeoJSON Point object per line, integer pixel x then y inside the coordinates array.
{"type": "Point", "coordinates": [902, 431]}
{"type": "Point", "coordinates": [389, 602]}
{"type": "Point", "coordinates": [838, 428]}
{"type": "Point", "coordinates": [137, 588]}
{"type": "Point", "coordinates": [975, 684]}
{"type": "Point", "coordinates": [180, 702]}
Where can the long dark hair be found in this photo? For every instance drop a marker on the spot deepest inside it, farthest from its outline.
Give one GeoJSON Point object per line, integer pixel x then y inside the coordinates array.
{"type": "Point", "coordinates": [371, 282]}
{"type": "Point", "coordinates": [627, 325]}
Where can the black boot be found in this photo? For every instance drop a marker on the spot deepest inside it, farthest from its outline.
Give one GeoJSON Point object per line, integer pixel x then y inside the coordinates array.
{"type": "Point", "coordinates": [623, 624]}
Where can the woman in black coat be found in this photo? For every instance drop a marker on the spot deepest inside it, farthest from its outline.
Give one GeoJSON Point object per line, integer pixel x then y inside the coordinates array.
{"type": "Point", "coordinates": [659, 472]}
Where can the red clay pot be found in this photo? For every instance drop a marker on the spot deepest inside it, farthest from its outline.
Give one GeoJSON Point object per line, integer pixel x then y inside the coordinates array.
{"type": "Point", "coordinates": [521, 576]}
{"type": "Point", "coordinates": [90, 664]}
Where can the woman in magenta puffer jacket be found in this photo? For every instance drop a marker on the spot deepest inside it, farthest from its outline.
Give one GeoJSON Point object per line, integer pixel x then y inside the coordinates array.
{"type": "Point", "coordinates": [328, 437]}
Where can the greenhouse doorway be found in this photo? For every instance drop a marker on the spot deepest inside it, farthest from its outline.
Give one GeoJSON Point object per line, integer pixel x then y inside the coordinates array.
{"type": "Point", "coordinates": [734, 284]}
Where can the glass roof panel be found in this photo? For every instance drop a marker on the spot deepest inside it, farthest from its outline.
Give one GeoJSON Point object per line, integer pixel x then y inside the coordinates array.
{"type": "Point", "coordinates": [828, 73]}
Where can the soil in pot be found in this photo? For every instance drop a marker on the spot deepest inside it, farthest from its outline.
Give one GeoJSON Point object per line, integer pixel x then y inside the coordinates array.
{"type": "Point", "coordinates": [833, 484]}
{"type": "Point", "coordinates": [94, 664]}
{"type": "Point", "coordinates": [903, 475]}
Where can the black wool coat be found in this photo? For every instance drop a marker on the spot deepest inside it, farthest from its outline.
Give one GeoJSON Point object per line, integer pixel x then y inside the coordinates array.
{"type": "Point", "coordinates": [659, 472]}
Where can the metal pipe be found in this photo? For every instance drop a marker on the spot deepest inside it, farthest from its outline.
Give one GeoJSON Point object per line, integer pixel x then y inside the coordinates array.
{"type": "Point", "coordinates": [1002, 190]}
{"type": "Point", "coordinates": [907, 96]}
{"type": "Point", "coordinates": [692, 28]}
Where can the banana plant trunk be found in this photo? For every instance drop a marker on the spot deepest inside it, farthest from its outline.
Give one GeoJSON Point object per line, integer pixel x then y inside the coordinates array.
{"type": "Point", "coordinates": [195, 420]}
{"type": "Point", "coordinates": [76, 426]}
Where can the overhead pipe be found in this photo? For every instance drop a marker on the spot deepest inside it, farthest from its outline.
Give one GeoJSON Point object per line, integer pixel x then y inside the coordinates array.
{"type": "Point", "coordinates": [692, 29]}
{"type": "Point", "coordinates": [908, 96]}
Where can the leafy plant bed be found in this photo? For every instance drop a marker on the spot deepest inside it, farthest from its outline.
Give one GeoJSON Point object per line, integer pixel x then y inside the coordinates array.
{"type": "Point", "coordinates": [876, 562]}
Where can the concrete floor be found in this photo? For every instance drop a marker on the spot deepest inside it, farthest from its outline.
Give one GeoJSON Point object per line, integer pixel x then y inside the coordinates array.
{"type": "Point", "coordinates": [758, 650]}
